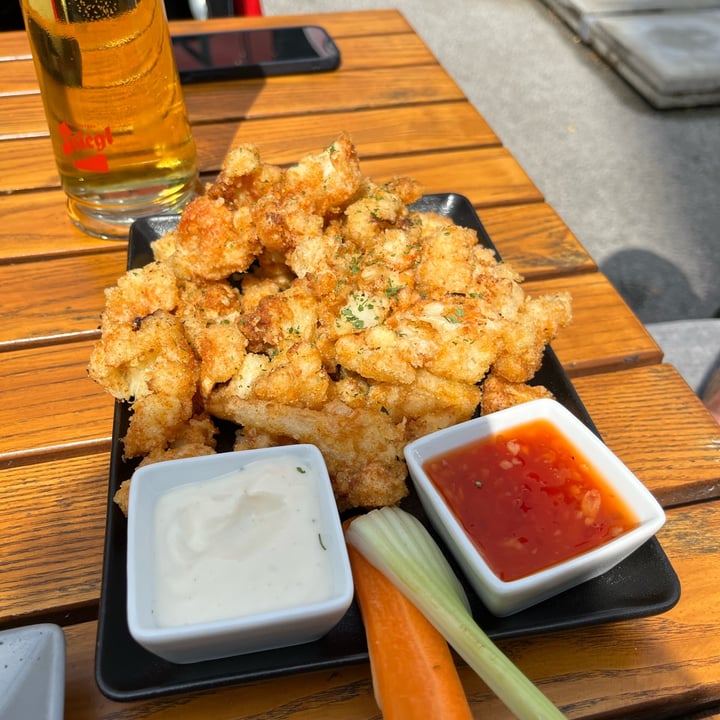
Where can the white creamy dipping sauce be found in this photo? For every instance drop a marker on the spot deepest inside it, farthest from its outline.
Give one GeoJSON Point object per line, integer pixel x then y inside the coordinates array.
{"type": "Point", "coordinates": [246, 542]}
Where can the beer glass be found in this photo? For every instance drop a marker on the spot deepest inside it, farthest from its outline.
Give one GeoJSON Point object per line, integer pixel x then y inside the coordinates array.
{"type": "Point", "coordinates": [114, 107]}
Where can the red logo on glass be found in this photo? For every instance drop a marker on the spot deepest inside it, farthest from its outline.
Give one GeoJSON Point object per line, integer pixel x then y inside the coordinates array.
{"type": "Point", "coordinates": [76, 141]}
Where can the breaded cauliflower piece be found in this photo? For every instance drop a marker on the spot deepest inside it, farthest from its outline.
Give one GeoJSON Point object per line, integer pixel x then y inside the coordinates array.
{"type": "Point", "coordinates": [206, 303]}
{"type": "Point", "coordinates": [498, 394]}
{"type": "Point", "coordinates": [155, 368]}
{"type": "Point", "coordinates": [375, 354]}
{"type": "Point", "coordinates": [197, 437]}
{"type": "Point", "coordinates": [156, 420]}
{"type": "Point", "coordinates": [525, 338]}
{"type": "Point", "coordinates": [445, 264]}
{"type": "Point", "coordinates": [243, 177]}
{"type": "Point", "coordinates": [212, 241]}
{"type": "Point", "coordinates": [150, 356]}
{"type": "Point", "coordinates": [428, 404]}
{"type": "Point", "coordinates": [447, 336]}
{"type": "Point", "coordinates": [293, 210]}
{"type": "Point", "coordinates": [251, 438]}
{"type": "Point", "coordinates": [280, 320]}
{"type": "Point", "coordinates": [210, 312]}
{"type": "Point", "coordinates": [222, 350]}
{"type": "Point", "coordinates": [143, 356]}
{"type": "Point", "coordinates": [317, 260]}
{"type": "Point", "coordinates": [137, 294]}
{"type": "Point", "coordinates": [296, 377]}
{"type": "Point", "coordinates": [330, 179]}
{"type": "Point", "coordinates": [242, 384]}
{"type": "Point", "coordinates": [378, 208]}
{"type": "Point", "coordinates": [362, 448]}
{"type": "Point", "coordinates": [236, 178]}
{"type": "Point", "coordinates": [282, 219]}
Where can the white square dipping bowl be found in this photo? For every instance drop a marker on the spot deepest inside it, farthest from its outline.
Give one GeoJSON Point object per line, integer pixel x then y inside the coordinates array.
{"type": "Point", "coordinates": [501, 597]}
{"type": "Point", "coordinates": [32, 672]}
{"type": "Point", "coordinates": [262, 629]}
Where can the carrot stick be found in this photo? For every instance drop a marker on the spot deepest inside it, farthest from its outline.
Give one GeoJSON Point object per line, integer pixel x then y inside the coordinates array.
{"type": "Point", "coordinates": [413, 672]}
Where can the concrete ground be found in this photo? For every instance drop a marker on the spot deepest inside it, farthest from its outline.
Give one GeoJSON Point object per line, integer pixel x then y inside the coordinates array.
{"type": "Point", "coordinates": [639, 187]}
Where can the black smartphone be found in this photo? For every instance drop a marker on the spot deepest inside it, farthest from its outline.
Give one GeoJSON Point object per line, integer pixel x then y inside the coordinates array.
{"type": "Point", "coordinates": [254, 53]}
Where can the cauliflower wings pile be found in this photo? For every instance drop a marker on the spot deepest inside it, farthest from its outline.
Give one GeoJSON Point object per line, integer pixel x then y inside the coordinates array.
{"type": "Point", "coordinates": [310, 304]}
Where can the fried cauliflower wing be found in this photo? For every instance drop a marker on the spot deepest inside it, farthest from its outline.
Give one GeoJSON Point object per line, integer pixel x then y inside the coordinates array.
{"type": "Point", "coordinates": [526, 336]}
{"type": "Point", "coordinates": [143, 356]}
{"type": "Point", "coordinates": [295, 377]}
{"type": "Point", "coordinates": [499, 394]}
{"type": "Point", "coordinates": [137, 294]}
{"type": "Point", "coordinates": [210, 312]}
{"type": "Point", "coordinates": [197, 437]}
{"type": "Point", "coordinates": [212, 240]}
{"type": "Point", "coordinates": [428, 404]}
{"type": "Point", "coordinates": [281, 319]}
{"type": "Point", "coordinates": [330, 179]}
{"type": "Point", "coordinates": [362, 448]}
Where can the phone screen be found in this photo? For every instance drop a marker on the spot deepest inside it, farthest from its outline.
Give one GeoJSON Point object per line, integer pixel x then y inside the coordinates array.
{"type": "Point", "coordinates": [266, 51]}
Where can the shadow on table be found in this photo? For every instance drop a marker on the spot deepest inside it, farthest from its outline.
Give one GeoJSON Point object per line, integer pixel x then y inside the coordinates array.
{"type": "Point", "coordinates": [664, 300]}
{"type": "Point", "coordinates": [655, 288]}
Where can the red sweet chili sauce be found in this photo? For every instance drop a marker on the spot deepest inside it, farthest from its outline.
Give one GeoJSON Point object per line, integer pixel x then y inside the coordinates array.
{"type": "Point", "coordinates": [528, 499]}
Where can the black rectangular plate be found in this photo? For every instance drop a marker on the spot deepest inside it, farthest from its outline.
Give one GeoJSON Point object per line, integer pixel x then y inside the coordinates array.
{"type": "Point", "coordinates": [644, 584]}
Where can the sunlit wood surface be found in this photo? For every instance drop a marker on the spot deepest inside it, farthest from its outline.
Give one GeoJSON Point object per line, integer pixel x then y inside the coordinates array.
{"type": "Point", "coordinates": [407, 117]}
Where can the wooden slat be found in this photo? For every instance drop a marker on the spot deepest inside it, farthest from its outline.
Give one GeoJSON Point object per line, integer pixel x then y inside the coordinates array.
{"type": "Point", "coordinates": [303, 94]}
{"type": "Point", "coordinates": [486, 176]}
{"type": "Point", "coordinates": [41, 302]}
{"type": "Point", "coordinates": [14, 46]}
{"type": "Point", "coordinates": [22, 80]}
{"type": "Point", "coordinates": [51, 408]}
{"type": "Point", "coordinates": [23, 115]}
{"type": "Point", "coordinates": [52, 539]}
{"type": "Point", "coordinates": [32, 288]}
{"type": "Point", "coordinates": [607, 671]}
{"type": "Point", "coordinates": [399, 50]}
{"type": "Point", "coordinates": [673, 450]}
{"type": "Point", "coordinates": [604, 333]}
{"type": "Point", "coordinates": [535, 240]}
{"type": "Point", "coordinates": [445, 126]}
{"type": "Point", "coordinates": [622, 405]}
{"type": "Point", "coordinates": [340, 693]}
{"type": "Point", "coordinates": [36, 225]}
{"type": "Point", "coordinates": [383, 132]}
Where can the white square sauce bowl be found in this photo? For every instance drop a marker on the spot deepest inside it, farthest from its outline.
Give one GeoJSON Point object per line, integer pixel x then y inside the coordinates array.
{"type": "Point", "coordinates": [234, 553]}
{"type": "Point", "coordinates": [530, 502]}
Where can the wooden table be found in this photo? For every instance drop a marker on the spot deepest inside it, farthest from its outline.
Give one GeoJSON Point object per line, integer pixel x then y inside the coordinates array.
{"type": "Point", "coordinates": [407, 116]}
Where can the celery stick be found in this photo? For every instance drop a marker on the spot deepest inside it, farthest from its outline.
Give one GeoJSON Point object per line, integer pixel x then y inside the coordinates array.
{"type": "Point", "coordinates": [398, 545]}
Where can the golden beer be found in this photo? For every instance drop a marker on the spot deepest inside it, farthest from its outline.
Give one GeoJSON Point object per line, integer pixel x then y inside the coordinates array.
{"type": "Point", "coordinates": [114, 107]}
